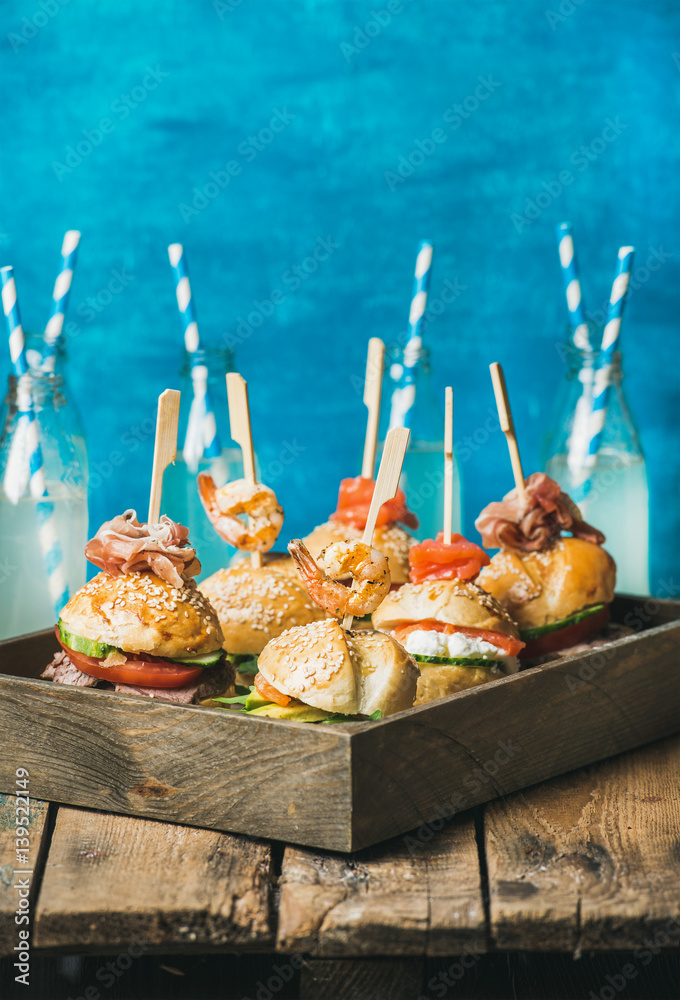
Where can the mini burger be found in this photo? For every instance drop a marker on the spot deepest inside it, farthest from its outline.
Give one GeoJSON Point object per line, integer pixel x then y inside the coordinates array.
{"type": "Point", "coordinates": [557, 587]}
{"type": "Point", "coordinates": [349, 521]}
{"type": "Point", "coordinates": [459, 635]}
{"type": "Point", "coordinates": [256, 605]}
{"type": "Point", "coordinates": [321, 672]}
{"type": "Point", "coordinates": [142, 626]}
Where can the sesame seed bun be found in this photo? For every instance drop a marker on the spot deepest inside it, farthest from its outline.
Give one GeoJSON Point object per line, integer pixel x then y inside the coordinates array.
{"type": "Point", "coordinates": [452, 602]}
{"type": "Point", "coordinates": [140, 613]}
{"type": "Point", "coordinates": [392, 540]}
{"type": "Point", "coordinates": [327, 667]}
{"type": "Point", "coordinates": [539, 588]}
{"type": "Point", "coordinates": [255, 605]}
{"type": "Point", "coordinates": [279, 562]}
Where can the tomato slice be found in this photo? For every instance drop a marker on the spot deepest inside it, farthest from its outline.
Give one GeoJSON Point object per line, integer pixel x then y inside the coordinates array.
{"type": "Point", "coordinates": [354, 501]}
{"type": "Point", "coordinates": [138, 672]}
{"type": "Point", "coordinates": [562, 638]}
{"type": "Point", "coordinates": [507, 643]}
{"type": "Point", "coordinates": [434, 560]}
{"type": "Point", "coordinates": [269, 692]}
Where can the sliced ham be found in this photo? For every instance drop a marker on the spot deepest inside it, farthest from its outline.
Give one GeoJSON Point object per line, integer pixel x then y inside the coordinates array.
{"type": "Point", "coordinates": [530, 527]}
{"type": "Point", "coordinates": [123, 545]}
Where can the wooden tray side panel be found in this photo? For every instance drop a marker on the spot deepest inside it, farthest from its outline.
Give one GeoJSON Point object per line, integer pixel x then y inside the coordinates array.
{"type": "Point", "coordinates": [182, 764]}
{"type": "Point", "coordinates": [437, 760]}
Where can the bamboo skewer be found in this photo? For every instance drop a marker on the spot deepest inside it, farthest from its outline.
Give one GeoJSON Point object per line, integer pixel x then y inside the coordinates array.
{"type": "Point", "coordinates": [508, 427]}
{"type": "Point", "coordinates": [375, 362]}
{"type": "Point", "coordinates": [165, 447]}
{"type": "Point", "coordinates": [241, 433]}
{"type": "Point", "coordinates": [448, 465]}
{"type": "Point", "coordinates": [386, 485]}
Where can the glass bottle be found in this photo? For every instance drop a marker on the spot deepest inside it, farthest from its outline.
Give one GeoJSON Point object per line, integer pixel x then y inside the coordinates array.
{"type": "Point", "coordinates": [423, 471]}
{"type": "Point", "coordinates": [41, 539]}
{"type": "Point", "coordinates": [181, 501]}
{"type": "Point", "coordinates": [615, 497]}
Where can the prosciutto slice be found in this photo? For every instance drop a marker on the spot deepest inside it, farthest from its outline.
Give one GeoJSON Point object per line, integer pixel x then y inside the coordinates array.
{"type": "Point", "coordinates": [509, 524]}
{"type": "Point", "coordinates": [123, 545]}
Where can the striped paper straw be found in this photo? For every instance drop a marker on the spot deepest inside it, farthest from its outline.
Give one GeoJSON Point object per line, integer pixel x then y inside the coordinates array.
{"type": "Point", "coordinates": [62, 289]}
{"type": "Point", "coordinates": [572, 287]}
{"type": "Point", "coordinates": [603, 375]}
{"type": "Point", "coordinates": [201, 437]}
{"type": "Point", "coordinates": [47, 527]}
{"type": "Point", "coordinates": [404, 396]}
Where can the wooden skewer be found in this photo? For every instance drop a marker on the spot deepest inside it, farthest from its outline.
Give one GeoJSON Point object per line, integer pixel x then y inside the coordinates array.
{"type": "Point", "coordinates": [165, 447]}
{"type": "Point", "coordinates": [508, 427]}
{"type": "Point", "coordinates": [448, 465]}
{"type": "Point", "coordinates": [386, 486]}
{"type": "Point", "coordinates": [375, 362]}
{"type": "Point", "coordinates": [239, 421]}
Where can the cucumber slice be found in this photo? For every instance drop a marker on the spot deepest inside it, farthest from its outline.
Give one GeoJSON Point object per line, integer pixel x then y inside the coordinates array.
{"type": "Point", "coordinates": [79, 644]}
{"type": "Point", "coordinates": [533, 633]}
{"type": "Point", "coordinates": [90, 647]}
{"type": "Point", "coordinates": [457, 661]}
{"type": "Point", "coordinates": [202, 660]}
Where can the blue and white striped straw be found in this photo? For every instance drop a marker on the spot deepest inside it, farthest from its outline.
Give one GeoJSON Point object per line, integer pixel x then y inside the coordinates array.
{"type": "Point", "coordinates": [404, 396]}
{"type": "Point", "coordinates": [572, 286]}
{"type": "Point", "coordinates": [603, 375]}
{"type": "Point", "coordinates": [62, 289]}
{"type": "Point", "coordinates": [201, 437]}
{"type": "Point", "coordinates": [47, 527]}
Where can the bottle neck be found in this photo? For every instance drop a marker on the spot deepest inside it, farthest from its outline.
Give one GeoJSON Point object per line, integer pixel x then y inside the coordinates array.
{"type": "Point", "coordinates": [213, 362]}
{"type": "Point", "coordinates": [35, 389]}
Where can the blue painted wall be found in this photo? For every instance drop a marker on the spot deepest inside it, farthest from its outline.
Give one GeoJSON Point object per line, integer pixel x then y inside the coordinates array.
{"type": "Point", "coordinates": [351, 97]}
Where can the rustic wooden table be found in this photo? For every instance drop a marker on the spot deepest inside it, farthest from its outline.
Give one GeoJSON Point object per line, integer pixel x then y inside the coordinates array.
{"type": "Point", "coordinates": [585, 863]}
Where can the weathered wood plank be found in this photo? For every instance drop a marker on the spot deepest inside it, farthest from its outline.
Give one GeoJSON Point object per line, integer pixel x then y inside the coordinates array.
{"type": "Point", "coordinates": [417, 895]}
{"type": "Point", "coordinates": [9, 896]}
{"type": "Point", "coordinates": [347, 979]}
{"type": "Point", "coordinates": [589, 860]}
{"type": "Point", "coordinates": [111, 880]}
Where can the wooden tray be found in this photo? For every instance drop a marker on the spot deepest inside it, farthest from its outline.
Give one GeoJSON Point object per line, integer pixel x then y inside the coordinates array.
{"type": "Point", "coordinates": [338, 787]}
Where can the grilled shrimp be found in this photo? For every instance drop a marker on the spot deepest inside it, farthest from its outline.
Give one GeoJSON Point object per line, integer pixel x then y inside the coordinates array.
{"type": "Point", "coordinates": [368, 568]}
{"type": "Point", "coordinates": [258, 502]}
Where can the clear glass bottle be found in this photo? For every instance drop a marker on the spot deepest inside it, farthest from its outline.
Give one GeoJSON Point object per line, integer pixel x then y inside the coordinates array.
{"type": "Point", "coordinates": [41, 540]}
{"type": "Point", "coordinates": [615, 497]}
{"type": "Point", "coordinates": [423, 472]}
{"type": "Point", "coordinates": [181, 501]}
